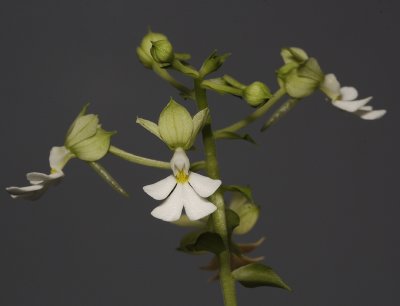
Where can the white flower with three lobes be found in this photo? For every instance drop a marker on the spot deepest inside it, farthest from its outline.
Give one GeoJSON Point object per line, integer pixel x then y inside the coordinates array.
{"type": "Point", "coordinates": [183, 190]}
{"type": "Point", "coordinates": [345, 99]}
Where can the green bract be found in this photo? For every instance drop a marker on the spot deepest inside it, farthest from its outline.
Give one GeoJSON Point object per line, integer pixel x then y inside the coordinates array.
{"type": "Point", "coordinates": [162, 51]}
{"type": "Point", "coordinates": [175, 126]}
{"type": "Point", "coordinates": [143, 51]}
{"type": "Point", "coordinates": [86, 139]}
{"type": "Point", "coordinates": [256, 93]}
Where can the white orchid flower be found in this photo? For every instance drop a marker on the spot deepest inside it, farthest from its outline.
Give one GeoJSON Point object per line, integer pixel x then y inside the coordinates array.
{"type": "Point", "coordinates": [345, 99]}
{"type": "Point", "coordinates": [183, 189]}
{"type": "Point", "coordinates": [40, 182]}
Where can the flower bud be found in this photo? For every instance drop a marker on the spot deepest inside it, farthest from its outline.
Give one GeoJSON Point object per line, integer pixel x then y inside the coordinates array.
{"type": "Point", "coordinates": [143, 51]}
{"type": "Point", "coordinates": [162, 51]}
{"type": "Point", "coordinates": [213, 63]}
{"type": "Point", "coordinates": [256, 93]}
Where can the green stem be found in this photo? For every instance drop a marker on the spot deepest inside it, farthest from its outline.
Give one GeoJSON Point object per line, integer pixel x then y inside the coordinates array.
{"type": "Point", "coordinates": [253, 116]}
{"type": "Point", "coordinates": [226, 280]}
{"type": "Point", "coordinates": [139, 159]}
{"type": "Point", "coordinates": [164, 74]}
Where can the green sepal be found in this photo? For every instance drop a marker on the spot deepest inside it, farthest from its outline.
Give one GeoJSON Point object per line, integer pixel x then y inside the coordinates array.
{"type": "Point", "coordinates": [197, 242]}
{"type": "Point", "coordinates": [299, 87]}
{"type": "Point", "coordinates": [83, 127]}
{"type": "Point", "coordinates": [233, 135]}
{"type": "Point", "coordinates": [311, 70]}
{"type": "Point", "coordinates": [279, 113]}
{"type": "Point", "coordinates": [247, 211]}
{"type": "Point", "coordinates": [103, 173]}
{"type": "Point", "coordinates": [150, 126]}
{"type": "Point", "coordinates": [93, 148]}
{"type": "Point", "coordinates": [244, 190]}
{"type": "Point", "coordinates": [213, 63]}
{"type": "Point", "coordinates": [175, 126]}
{"type": "Point", "coordinates": [80, 114]}
{"type": "Point", "coordinates": [256, 275]}
{"type": "Point", "coordinates": [199, 120]}
{"type": "Point", "coordinates": [293, 55]}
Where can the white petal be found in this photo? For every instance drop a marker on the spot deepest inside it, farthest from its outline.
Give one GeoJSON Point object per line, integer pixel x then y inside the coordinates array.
{"type": "Point", "coordinates": [203, 185]}
{"type": "Point", "coordinates": [195, 206]}
{"type": "Point", "coordinates": [171, 209]}
{"type": "Point", "coordinates": [351, 106]}
{"type": "Point", "coordinates": [348, 93]}
{"type": "Point", "coordinates": [161, 189]}
{"type": "Point", "coordinates": [330, 86]}
{"type": "Point", "coordinates": [59, 156]}
{"type": "Point", "coordinates": [29, 192]}
{"type": "Point", "coordinates": [23, 190]}
{"type": "Point", "coordinates": [38, 178]}
{"type": "Point", "coordinates": [372, 115]}
{"type": "Point", "coordinates": [366, 108]}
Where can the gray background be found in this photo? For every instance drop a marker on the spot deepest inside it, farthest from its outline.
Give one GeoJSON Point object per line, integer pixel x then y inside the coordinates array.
{"type": "Point", "coordinates": [327, 181]}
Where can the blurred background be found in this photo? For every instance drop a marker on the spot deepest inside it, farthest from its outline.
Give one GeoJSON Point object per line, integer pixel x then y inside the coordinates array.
{"type": "Point", "coordinates": [326, 181]}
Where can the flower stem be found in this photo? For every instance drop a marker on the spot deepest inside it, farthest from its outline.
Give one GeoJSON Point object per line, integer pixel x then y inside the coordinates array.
{"type": "Point", "coordinates": [164, 74]}
{"type": "Point", "coordinates": [253, 116]}
{"type": "Point", "coordinates": [139, 159]}
{"type": "Point", "coordinates": [226, 280]}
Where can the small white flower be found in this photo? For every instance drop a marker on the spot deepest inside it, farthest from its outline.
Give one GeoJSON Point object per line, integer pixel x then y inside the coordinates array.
{"type": "Point", "coordinates": [184, 189]}
{"type": "Point", "coordinates": [40, 182]}
{"type": "Point", "coordinates": [345, 99]}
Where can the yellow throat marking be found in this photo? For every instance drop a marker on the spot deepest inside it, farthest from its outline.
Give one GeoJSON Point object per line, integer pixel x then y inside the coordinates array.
{"type": "Point", "coordinates": [52, 171]}
{"type": "Point", "coordinates": [182, 177]}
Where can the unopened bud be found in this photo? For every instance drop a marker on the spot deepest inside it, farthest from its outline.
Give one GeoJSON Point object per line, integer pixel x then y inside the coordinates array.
{"type": "Point", "coordinates": [256, 93]}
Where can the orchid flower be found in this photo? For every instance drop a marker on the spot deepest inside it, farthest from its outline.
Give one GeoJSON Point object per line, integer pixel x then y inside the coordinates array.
{"type": "Point", "coordinates": [183, 189]}
{"type": "Point", "coordinates": [40, 182]}
{"type": "Point", "coordinates": [345, 99]}
{"type": "Point", "coordinates": [85, 140]}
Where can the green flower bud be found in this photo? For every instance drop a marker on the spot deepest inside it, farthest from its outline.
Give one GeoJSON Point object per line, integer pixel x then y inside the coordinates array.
{"type": "Point", "coordinates": [293, 55]}
{"type": "Point", "coordinates": [162, 51]}
{"type": "Point", "coordinates": [256, 93]}
{"type": "Point", "coordinates": [143, 51]}
{"type": "Point", "coordinates": [86, 139]}
{"type": "Point", "coordinates": [213, 63]}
